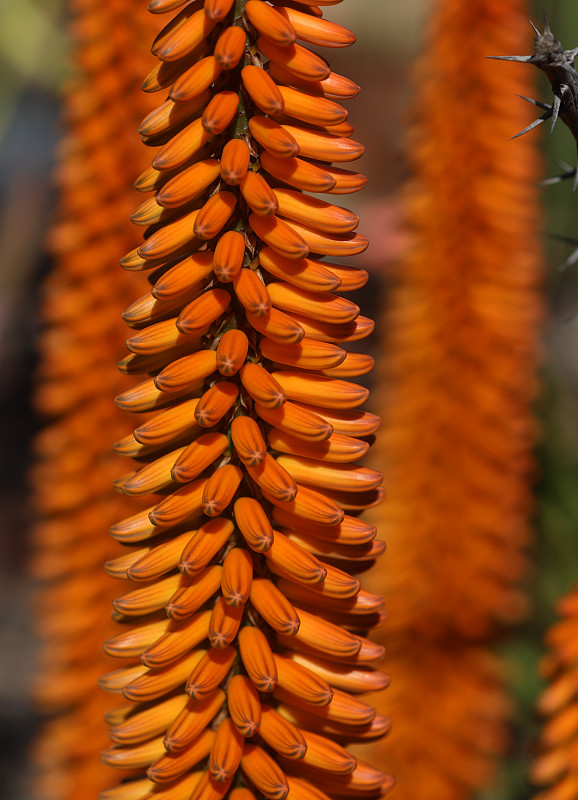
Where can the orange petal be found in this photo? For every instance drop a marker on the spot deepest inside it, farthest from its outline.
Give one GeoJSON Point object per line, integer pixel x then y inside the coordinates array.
{"type": "Point", "coordinates": [146, 397]}
{"type": "Point", "coordinates": [213, 668]}
{"type": "Point", "coordinates": [215, 403]}
{"type": "Point", "coordinates": [351, 278]}
{"type": "Point", "coordinates": [229, 254]}
{"type": "Point", "coordinates": [182, 34]}
{"type": "Point", "coordinates": [296, 172]}
{"type": "Point", "coordinates": [317, 31]}
{"type": "Point", "coordinates": [225, 621]}
{"type": "Point", "coordinates": [306, 354]}
{"type": "Point", "coordinates": [324, 754]}
{"type": "Point", "coordinates": [354, 365]}
{"type": "Point", "coordinates": [188, 184]}
{"type": "Point", "coordinates": [274, 607]}
{"type": "Point", "coordinates": [185, 371]}
{"type": "Point", "coordinates": [235, 161]}
{"type": "Point", "coordinates": [244, 705]}
{"type": "Point", "coordinates": [180, 505]}
{"type": "Point", "coordinates": [279, 235]}
{"type": "Point", "coordinates": [315, 213]}
{"type": "Point", "coordinates": [324, 146]}
{"type": "Point", "coordinates": [296, 421]}
{"type": "Point", "coordinates": [160, 337]}
{"type": "Point", "coordinates": [331, 593]}
{"type": "Point", "coordinates": [237, 577]}
{"type": "Point", "coordinates": [338, 245]}
{"type": "Point", "coordinates": [274, 479]}
{"type": "Point", "coordinates": [324, 637]}
{"type": "Point", "coordinates": [270, 135]}
{"type": "Point", "coordinates": [203, 311]}
{"type": "Point", "coordinates": [313, 110]}
{"type": "Point", "coordinates": [214, 214]}
{"type": "Point", "coordinates": [194, 593]}
{"type": "Point", "coordinates": [344, 677]}
{"type": "Point", "coordinates": [134, 641]}
{"type": "Point", "coordinates": [230, 47]}
{"type": "Point", "coordinates": [140, 725]}
{"type": "Point", "coordinates": [170, 238]}
{"type": "Point", "coordinates": [258, 658]}
{"type": "Point", "coordinates": [303, 273]}
{"type": "Point", "coordinates": [220, 489]}
{"type": "Point", "coordinates": [226, 752]}
{"type": "Point", "coordinates": [182, 146]}
{"type": "Point", "coordinates": [173, 765]}
{"type": "Point", "coordinates": [295, 561]}
{"type": "Point", "coordinates": [347, 421]}
{"type": "Point", "coordinates": [269, 22]}
{"type": "Point", "coordinates": [248, 441]}
{"type": "Point", "coordinates": [280, 734]}
{"type": "Point", "coordinates": [136, 757]}
{"type": "Point", "coordinates": [253, 524]}
{"type": "Point", "coordinates": [220, 111]}
{"type": "Point", "coordinates": [360, 328]}
{"type": "Point", "coordinates": [300, 790]}
{"type": "Point", "coordinates": [326, 308]}
{"type": "Point", "coordinates": [208, 789]}
{"type": "Point", "coordinates": [204, 544]}
{"type": "Point", "coordinates": [149, 598]}
{"type": "Point", "coordinates": [170, 115]}
{"type": "Point", "coordinates": [330, 476]}
{"type": "Point", "coordinates": [278, 326]}
{"type": "Point", "coordinates": [350, 531]}
{"type": "Point", "coordinates": [217, 10]}
{"type": "Point", "coordinates": [165, 73]}
{"type": "Point", "coordinates": [338, 448]}
{"type": "Point", "coordinates": [264, 773]}
{"type": "Point", "coordinates": [345, 181]}
{"type": "Point", "coordinates": [263, 90]}
{"type": "Point", "coordinates": [311, 506]}
{"type": "Point", "coordinates": [252, 292]}
{"type": "Point", "coordinates": [296, 59]}
{"type": "Point", "coordinates": [177, 641]}
{"type": "Point", "coordinates": [198, 455]}
{"type": "Point", "coordinates": [195, 80]}
{"type": "Point", "coordinates": [302, 682]}
{"type": "Point", "coordinates": [333, 86]}
{"type": "Point", "coordinates": [258, 194]}
{"type": "Point", "coordinates": [158, 560]}
{"type": "Point", "coordinates": [134, 529]}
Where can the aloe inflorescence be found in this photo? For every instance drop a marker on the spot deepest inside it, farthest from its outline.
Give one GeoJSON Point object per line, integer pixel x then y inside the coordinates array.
{"type": "Point", "coordinates": [242, 625]}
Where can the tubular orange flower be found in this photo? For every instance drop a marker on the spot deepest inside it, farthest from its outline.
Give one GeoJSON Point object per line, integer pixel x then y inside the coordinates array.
{"type": "Point", "coordinates": [235, 251]}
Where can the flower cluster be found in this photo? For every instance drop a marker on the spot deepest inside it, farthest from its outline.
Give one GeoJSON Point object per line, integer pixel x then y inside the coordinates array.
{"type": "Point", "coordinates": [458, 371]}
{"type": "Point", "coordinates": [243, 628]}
{"type": "Point", "coordinates": [74, 465]}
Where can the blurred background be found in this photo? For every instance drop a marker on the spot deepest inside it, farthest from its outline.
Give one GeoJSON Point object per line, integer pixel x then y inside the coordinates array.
{"type": "Point", "coordinates": [35, 58]}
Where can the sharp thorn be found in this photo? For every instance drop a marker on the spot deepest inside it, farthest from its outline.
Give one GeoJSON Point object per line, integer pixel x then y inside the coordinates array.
{"type": "Point", "coordinates": [536, 31]}
{"type": "Point", "coordinates": [555, 110]}
{"type": "Point", "coordinates": [533, 125]}
{"type": "Point", "coordinates": [561, 237]}
{"type": "Point", "coordinates": [569, 262]}
{"type": "Point", "coordinates": [535, 102]}
{"type": "Point", "coordinates": [546, 25]}
{"type": "Point", "coordinates": [524, 59]}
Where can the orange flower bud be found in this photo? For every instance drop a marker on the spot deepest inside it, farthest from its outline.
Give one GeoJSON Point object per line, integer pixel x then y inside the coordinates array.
{"type": "Point", "coordinates": [193, 593]}
{"type": "Point", "coordinates": [232, 351]}
{"type": "Point", "coordinates": [348, 422]}
{"type": "Point", "coordinates": [309, 388]}
{"type": "Point", "coordinates": [278, 326]}
{"type": "Point", "coordinates": [252, 292]}
{"type": "Point", "coordinates": [169, 115]}
{"type": "Point", "coordinates": [248, 441]}
{"type": "Point", "coordinates": [270, 135]}
{"type": "Point", "coordinates": [220, 111]}
{"type": "Point", "coordinates": [263, 90]}
{"type": "Point", "coordinates": [258, 658]}
{"type": "Point", "coordinates": [274, 607]}
{"type": "Point", "coordinates": [317, 31]}
{"type": "Point", "coordinates": [274, 479]}
{"type": "Point", "coordinates": [183, 372]}
{"type": "Point", "coordinates": [316, 213]}
{"type": "Point", "coordinates": [164, 74]}
{"type": "Point", "coordinates": [235, 161]}
{"type": "Point", "coordinates": [217, 9]}
{"type": "Point", "coordinates": [303, 273]}
{"type": "Point", "coordinates": [279, 235]}
{"type": "Point", "coordinates": [230, 47]}
{"type": "Point", "coordinates": [244, 705]}
{"type": "Point", "coordinates": [333, 86]}
{"type": "Point", "coordinates": [170, 238]}
{"type": "Point", "coordinates": [214, 215]}
{"type": "Point", "coordinates": [326, 308]}
{"type": "Point", "coordinates": [329, 476]}
{"type": "Point", "coordinates": [329, 756]}
{"type": "Point", "coordinates": [253, 524]}
{"type": "Point", "coordinates": [198, 455]}
{"type": "Point", "coordinates": [194, 81]}
{"type": "Point", "coordinates": [309, 109]}
{"type": "Point", "coordinates": [144, 724]}
{"type": "Point", "coordinates": [226, 752]}
{"type": "Point", "coordinates": [210, 671]}
{"type": "Point", "coordinates": [229, 254]}
{"type": "Point", "coordinates": [208, 789]}
{"type": "Point", "coordinates": [146, 397]}
{"type": "Point", "coordinates": [337, 448]}
{"type": "Point", "coordinates": [224, 624]}
{"type": "Point", "coordinates": [158, 682]}
{"type": "Point", "coordinates": [352, 366]}
{"type": "Point", "coordinates": [204, 544]}
{"type": "Point", "coordinates": [264, 773]}
{"type": "Point", "coordinates": [180, 505]}
{"type": "Point", "coordinates": [345, 181]}
{"type": "Point", "coordinates": [324, 146]}
{"type": "Point", "coordinates": [344, 677]}
{"type": "Point", "coordinates": [262, 387]}
{"type": "Point", "coordinates": [182, 146]}
{"type": "Point", "coordinates": [134, 642]}
{"type": "Point", "coordinates": [181, 638]}
{"type": "Point", "coordinates": [188, 184]}
{"type": "Point", "coordinates": [270, 23]}
{"type": "Point", "coordinates": [164, 428]}
{"type": "Point", "coordinates": [237, 577]}
{"type": "Point", "coordinates": [280, 734]}
{"type": "Point", "coordinates": [173, 765]}
{"type": "Point", "coordinates": [298, 60]}
{"type": "Point", "coordinates": [312, 506]}
{"type": "Point", "coordinates": [339, 245]}
{"type": "Point", "coordinates": [220, 489]}
{"type": "Point", "coordinates": [215, 403]}
{"type": "Point", "coordinates": [294, 420]}
{"type": "Point", "coordinates": [296, 172]}
{"type": "Point", "coordinates": [158, 560]}
{"type": "Point", "coordinates": [258, 194]}
{"type": "Point", "coordinates": [182, 34]}
{"type": "Point", "coordinates": [354, 331]}
{"type": "Point", "coordinates": [136, 757]}
{"type": "Point", "coordinates": [203, 311]}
